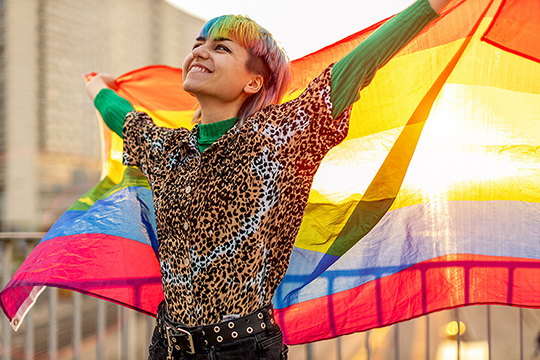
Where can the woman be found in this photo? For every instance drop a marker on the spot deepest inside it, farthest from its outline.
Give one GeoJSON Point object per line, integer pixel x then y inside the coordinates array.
{"type": "Point", "coordinates": [229, 195]}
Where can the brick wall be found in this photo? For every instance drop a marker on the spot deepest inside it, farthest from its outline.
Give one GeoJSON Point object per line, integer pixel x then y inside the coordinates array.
{"type": "Point", "coordinates": [64, 39]}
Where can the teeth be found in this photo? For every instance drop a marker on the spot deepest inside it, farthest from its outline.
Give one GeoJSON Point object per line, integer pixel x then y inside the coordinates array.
{"type": "Point", "coordinates": [199, 69]}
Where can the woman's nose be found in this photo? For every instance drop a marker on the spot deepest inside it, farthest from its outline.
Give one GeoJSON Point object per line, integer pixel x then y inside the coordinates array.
{"type": "Point", "coordinates": [200, 51]}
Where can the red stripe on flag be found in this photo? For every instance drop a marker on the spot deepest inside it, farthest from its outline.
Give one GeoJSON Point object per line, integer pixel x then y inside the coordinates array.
{"type": "Point", "coordinates": [516, 28]}
{"type": "Point", "coordinates": [441, 283]}
{"type": "Point", "coordinates": [158, 87]}
{"type": "Point", "coordinates": [85, 263]}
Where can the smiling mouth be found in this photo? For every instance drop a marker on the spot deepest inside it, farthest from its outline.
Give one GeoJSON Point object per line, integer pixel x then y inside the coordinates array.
{"type": "Point", "coordinates": [199, 69]}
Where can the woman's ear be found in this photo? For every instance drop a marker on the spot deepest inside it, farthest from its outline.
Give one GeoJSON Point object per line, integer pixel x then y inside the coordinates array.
{"type": "Point", "coordinates": [254, 85]}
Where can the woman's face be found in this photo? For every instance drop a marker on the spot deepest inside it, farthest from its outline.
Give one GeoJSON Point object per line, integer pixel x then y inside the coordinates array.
{"type": "Point", "coordinates": [216, 68]}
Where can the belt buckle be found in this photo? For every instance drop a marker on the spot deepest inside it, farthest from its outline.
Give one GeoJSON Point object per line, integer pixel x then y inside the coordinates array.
{"type": "Point", "coordinates": [178, 331]}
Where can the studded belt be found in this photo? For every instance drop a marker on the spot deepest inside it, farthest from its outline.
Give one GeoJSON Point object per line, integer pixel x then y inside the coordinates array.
{"type": "Point", "coordinates": [182, 339]}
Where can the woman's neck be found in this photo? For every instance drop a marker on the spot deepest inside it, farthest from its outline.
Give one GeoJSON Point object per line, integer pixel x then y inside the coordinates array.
{"type": "Point", "coordinates": [213, 110]}
{"type": "Point", "coordinates": [216, 117]}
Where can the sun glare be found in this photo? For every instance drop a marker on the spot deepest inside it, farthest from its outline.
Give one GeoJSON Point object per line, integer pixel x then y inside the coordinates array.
{"type": "Point", "coordinates": [460, 144]}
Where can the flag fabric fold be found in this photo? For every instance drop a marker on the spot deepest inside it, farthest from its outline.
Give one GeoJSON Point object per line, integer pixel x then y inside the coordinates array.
{"type": "Point", "coordinates": [431, 202]}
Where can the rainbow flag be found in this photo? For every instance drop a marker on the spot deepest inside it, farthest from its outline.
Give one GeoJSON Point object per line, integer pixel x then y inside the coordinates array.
{"type": "Point", "coordinates": [431, 202]}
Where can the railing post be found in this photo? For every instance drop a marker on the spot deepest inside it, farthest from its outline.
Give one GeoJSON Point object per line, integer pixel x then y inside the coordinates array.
{"type": "Point", "coordinates": [521, 333]}
{"type": "Point", "coordinates": [458, 336]}
{"type": "Point", "coordinates": [124, 333]}
{"type": "Point", "coordinates": [368, 351]}
{"type": "Point", "coordinates": [427, 337]}
{"type": "Point", "coordinates": [100, 329]}
{"type": "Point", "coordinates": [489, 330]}
{"type": "Point", "coordinates": [29, 321]}
{"type": "Point", "coordinates": [309, 351]}
{"type": "Point", "coordinates": [396, 341]}
{"type": "Point", "coordinates": [77, 325]}
{"type": "Point", "coordinates": [338, 343]}
{"type": "Point", "coordinates": [150, 323]}
{"type": "Point", "coordinates": [53, 323]}
{"type": "Point", "coordinates": [7, 255]}
{"type": "Point", "coordinates": [30, 336]}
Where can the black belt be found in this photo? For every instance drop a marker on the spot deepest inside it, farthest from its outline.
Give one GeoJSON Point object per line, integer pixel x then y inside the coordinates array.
{"type": "Point", "coordinates": [181, 338]}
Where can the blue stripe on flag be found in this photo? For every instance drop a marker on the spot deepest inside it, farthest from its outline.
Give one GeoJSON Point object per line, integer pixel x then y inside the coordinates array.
{"type": "Point", "coordinates": [126, 213]}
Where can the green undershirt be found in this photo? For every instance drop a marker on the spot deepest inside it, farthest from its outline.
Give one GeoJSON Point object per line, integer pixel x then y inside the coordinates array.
{"type": "Point", "coordinates": [349, 75]}
{"type": "Point", "coordinates": [209, 133]}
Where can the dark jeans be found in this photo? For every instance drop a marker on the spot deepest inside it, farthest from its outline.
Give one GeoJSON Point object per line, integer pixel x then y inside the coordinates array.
{"type": "Point", "coordinates": [267, 345]}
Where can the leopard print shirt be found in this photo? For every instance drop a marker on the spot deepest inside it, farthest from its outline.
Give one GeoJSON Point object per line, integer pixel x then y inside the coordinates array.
{"type": "Point", "coordinates": [227, 218]}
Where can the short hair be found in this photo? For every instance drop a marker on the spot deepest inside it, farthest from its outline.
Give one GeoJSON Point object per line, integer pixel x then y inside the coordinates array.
{"type": "Point", "coordinates": [266, 58]}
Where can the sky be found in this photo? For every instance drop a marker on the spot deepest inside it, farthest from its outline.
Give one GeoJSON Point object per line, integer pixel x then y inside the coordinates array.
{"type": "Point", "coordinates": [301, 26]}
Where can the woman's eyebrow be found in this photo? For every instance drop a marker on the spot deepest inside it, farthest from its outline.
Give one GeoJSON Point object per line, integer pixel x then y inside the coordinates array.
{"type": "Point", "coordinates": [222, 39]}
{"type": "Point", "coordinates": [202, 38]}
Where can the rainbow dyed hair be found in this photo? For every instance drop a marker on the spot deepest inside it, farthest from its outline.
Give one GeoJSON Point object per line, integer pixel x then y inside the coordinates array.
{"type": "Point", "coordinates": [267, 58]}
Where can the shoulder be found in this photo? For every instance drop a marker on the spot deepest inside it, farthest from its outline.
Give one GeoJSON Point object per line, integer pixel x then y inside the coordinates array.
{"type": "Point", "coordinates": [314, 100]}
{"type": "Point", "coordinates": [143, 121]}
{"type": "Point", "coordinates": [321, 82]}
{"type": "Point", "coordinates": [138, 116]}
{"type": "Point", "coordinates": [317, 90]}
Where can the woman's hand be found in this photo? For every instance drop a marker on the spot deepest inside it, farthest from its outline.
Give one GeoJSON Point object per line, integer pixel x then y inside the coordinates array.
{"type": "Point", "coordinates": [98, 82]}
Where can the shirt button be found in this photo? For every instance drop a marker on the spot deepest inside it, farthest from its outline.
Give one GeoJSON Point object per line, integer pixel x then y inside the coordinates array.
{"type": "Point", "coordinates": [188, 189]}
{"type": "Point", "coordinates": [189, 299]}
{"type": "Point", "coordinates": [186, 261]}
{"type": "Point", "coordinates": [186, 225]}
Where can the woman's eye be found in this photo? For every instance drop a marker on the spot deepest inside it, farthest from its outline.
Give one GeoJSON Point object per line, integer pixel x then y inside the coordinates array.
{"type": "Point", "coordinates": [223, 47]}
{"type": "Point", "coordinates": [195, 46]}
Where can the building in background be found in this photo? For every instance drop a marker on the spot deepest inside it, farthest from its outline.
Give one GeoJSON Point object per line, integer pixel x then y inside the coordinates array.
{"type": "Point", "coordinates": [49, 136]}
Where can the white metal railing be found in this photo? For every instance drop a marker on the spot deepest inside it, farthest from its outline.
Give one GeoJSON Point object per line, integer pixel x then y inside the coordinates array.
{"type": "Point", "coordinates": [65, 324]}
{"type": "Point", "coordinates": [68, 325]}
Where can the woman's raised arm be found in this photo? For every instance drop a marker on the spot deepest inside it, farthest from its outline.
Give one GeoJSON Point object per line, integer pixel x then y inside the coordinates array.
{"type": "Point", "coordinates": [356, 70]}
